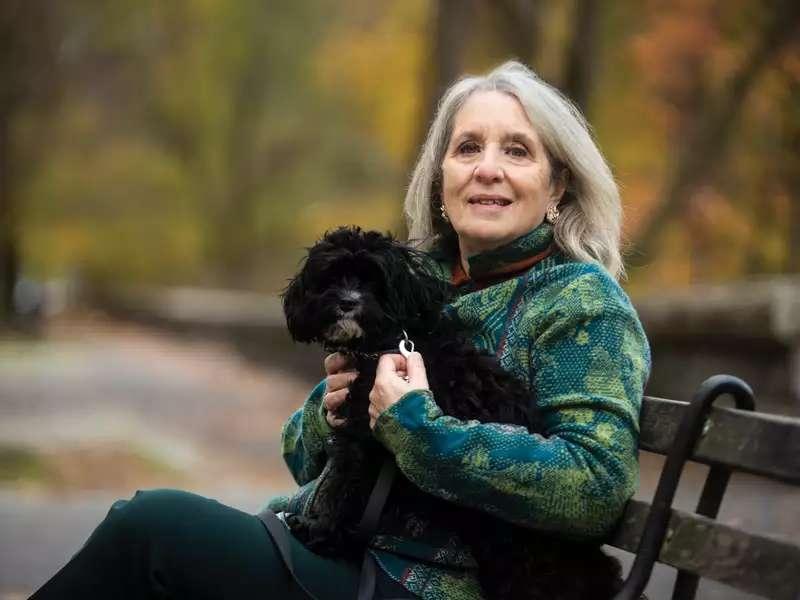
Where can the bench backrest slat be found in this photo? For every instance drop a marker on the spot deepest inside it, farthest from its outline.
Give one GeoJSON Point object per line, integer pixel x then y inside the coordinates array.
{"type": "Point", "coordinates": [754, 442]}
{"type": "Point", "coordinates": [759, 564]}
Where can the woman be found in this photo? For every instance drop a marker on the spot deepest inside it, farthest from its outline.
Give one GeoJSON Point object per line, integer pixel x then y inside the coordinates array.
{"type": "Point", "coordinates": [514, 199]}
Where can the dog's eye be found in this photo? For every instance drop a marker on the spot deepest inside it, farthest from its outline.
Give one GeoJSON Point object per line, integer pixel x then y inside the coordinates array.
{"type": "Point", "coordinates": [326, 280]}
{"type": "Point", "coordinates": [373, 278]}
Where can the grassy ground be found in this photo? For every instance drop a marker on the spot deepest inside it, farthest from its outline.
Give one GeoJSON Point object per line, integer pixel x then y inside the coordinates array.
{"type": "Point", "coordinates": [83, 468]}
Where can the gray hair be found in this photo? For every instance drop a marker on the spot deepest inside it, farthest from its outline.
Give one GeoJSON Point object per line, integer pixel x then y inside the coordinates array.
{"type": "Point", "coordinates": [589, 226]}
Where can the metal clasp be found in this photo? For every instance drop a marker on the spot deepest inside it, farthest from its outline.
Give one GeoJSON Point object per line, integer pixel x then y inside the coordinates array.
{"type": "Point", "coordinates": [406, 342]}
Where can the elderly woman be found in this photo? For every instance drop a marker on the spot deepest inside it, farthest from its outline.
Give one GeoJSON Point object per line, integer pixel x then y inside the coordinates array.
{"type": "Point", "coordinates": [515, 201]}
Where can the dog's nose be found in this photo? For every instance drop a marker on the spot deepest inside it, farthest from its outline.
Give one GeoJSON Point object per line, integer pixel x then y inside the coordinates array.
{"type": "Point", "coordinates": [348, 304]}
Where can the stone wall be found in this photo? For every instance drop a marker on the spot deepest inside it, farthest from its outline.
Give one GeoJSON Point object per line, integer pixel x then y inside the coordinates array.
{"type": "Point", "coordinates": [750, 329]}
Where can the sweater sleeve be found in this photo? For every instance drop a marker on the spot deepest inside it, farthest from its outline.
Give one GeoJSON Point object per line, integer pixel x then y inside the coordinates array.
{"type": "Point", "coordinates": [303, 438]}
{"type": "Point", "coordinates": [589, 363]}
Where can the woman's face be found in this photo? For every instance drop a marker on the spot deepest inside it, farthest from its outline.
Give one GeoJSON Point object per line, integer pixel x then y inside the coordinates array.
{"type": "Point", "coordinates": [496, 174]}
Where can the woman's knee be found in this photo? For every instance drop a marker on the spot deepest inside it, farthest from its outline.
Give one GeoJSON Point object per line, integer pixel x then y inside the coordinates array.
{"type": "Point", "coordinates": [159, 513]}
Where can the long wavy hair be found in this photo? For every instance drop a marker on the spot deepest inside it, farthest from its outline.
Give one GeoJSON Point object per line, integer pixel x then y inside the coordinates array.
{"type": "Point", "coordinates": [591, 214]}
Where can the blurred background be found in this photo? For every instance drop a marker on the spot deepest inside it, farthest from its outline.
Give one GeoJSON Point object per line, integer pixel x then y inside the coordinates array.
{"type": "Point", "coordinates": [163, 165]}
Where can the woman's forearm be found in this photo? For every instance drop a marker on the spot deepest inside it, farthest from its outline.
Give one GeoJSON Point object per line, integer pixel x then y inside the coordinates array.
{"type": "Point", "coordinates": [303, 438]}
{"type": "Point", "coordinates": [575, 483]}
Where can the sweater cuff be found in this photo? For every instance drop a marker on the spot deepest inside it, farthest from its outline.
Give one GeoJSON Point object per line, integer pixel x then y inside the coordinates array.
{"type": "Point", "coordinates": [323, 426]}
{"type": "Point", "coordinates": [317, 417]}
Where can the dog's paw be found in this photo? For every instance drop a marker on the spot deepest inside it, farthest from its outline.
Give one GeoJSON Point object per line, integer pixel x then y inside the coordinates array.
{"type": "Point", "coordinates": [300, 526]}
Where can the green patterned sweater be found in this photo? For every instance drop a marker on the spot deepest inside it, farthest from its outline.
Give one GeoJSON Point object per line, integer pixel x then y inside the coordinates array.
{"type": "Point", "coordinates": [569, 331]}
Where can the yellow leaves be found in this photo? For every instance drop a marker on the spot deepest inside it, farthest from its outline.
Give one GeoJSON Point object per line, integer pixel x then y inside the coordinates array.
{"type": "Point", "coordinates": [378, 69]}
{"type": "Point", "coordinates": [375, 212]}
{"type": "Point", "coordinates": [122, 211]}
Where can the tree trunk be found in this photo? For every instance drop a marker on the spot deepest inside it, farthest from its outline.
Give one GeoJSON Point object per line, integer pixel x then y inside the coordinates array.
{"type": "Point", "coordinates": [581, 52]}
{"type": "Point", "coordinates": [452, 25]}
{"type": "Point", "coordinates": [521, 19]}
{"type": "Point", "coordinates": [9, 255]}
{"type": "Point", "coordinates": [792, 180]}
{"type": "Point", "coordinates": [704, 152]}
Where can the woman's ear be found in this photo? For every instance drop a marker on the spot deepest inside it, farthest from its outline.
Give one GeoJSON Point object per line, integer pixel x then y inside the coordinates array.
{"type": "Point", "coordinates": [558, 185]}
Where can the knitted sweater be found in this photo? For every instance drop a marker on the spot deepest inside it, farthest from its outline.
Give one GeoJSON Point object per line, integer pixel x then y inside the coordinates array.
{"type": "Point", "coordinates": [569, 331]}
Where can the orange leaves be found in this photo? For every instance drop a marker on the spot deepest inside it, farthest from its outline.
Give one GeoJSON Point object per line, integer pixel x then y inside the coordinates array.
{"type": "Point", "coordinates": [673, 54]}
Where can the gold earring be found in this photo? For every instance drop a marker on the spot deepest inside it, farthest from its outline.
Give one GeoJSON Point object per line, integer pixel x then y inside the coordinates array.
{"type": "Point", "coordinates": [552, 214]}
{"type": "Point", "coordinates": [445, 218]}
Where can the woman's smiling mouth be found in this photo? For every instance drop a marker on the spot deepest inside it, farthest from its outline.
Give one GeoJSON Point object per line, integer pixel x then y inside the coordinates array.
{"type": "Point", "coordinates": [489, 201]}
{"type": "Point", "coordinates": [485, 200]}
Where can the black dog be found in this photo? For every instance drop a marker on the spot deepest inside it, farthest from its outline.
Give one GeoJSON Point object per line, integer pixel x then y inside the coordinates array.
{"type": "Point", "coordinates": [361, 293]}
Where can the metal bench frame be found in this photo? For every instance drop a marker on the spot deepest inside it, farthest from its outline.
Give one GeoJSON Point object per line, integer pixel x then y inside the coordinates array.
{"type": "Point", "coordinates": [718, 437]}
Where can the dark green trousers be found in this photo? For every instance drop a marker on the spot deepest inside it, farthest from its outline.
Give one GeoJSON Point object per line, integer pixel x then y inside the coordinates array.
{"type": "Point", "coordinates": [177, 545]}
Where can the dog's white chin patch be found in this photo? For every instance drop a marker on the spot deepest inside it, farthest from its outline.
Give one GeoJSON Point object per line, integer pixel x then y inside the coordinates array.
{"type": "Point", "coordinates": [343, 330]}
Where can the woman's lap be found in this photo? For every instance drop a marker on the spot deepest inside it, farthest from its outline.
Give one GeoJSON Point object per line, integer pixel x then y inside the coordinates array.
{"type": "Point", "coordinates": [174, 544]}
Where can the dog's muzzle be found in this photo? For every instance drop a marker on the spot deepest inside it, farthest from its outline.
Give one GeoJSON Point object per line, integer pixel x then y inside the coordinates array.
{"type": "Point", "coordinates": [343, 330]}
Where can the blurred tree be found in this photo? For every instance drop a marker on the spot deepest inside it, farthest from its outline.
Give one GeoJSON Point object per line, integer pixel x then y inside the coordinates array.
{"type": "Point", "coordinates": [581, 54]}
{"type": "Point", "coordinates": [452, 24]}
{"type": "Point", "coordinates": [520, 22]}
{"type": "Point", "coordinates": [27, 58]}
{"type": "Point", "coordinates": [790, 165]}
{"type": "Point", "coordinates": [707, 120]}
{"type": "Point", "coordinates": [206, 142]}
{"type": "Point", "coordinates": [190, 140]}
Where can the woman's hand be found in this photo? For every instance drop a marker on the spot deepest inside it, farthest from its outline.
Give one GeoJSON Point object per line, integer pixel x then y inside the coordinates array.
{"type": "Point", "coordinates": [339, 376]}
{"type": "Point", "coordinates": [391, 384]}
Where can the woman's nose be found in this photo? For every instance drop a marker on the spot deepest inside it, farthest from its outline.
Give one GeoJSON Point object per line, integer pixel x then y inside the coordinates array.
{"type": "Point", "coordinates": [489, 169]}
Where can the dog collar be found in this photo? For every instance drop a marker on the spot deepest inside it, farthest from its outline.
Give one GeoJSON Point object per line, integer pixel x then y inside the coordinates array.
{"type": "Point", "coordinates": [405, 347]}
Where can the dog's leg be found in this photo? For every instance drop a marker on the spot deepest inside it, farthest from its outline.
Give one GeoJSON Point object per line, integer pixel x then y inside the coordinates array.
{"type": "Point", "coordinates": [339, 501]}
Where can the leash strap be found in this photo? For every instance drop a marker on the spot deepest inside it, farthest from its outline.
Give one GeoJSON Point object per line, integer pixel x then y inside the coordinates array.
{"type": "Point", "coordinates": [368, 579]}
{"type": "Point", "coordinates": [365, 530]}
{"type": "Point", "coordinates": [366, 582]}
{"type": "Point", "coordinates": [369, 525]}
{"type": "Point", "coordinates": [280, 535]}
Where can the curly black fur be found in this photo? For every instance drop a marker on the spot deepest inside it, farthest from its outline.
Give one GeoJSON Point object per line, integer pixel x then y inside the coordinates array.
{"type": "Point", "coordinates": [356, 292]}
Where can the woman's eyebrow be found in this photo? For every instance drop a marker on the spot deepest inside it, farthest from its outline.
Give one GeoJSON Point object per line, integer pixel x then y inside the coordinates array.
{"type": "Point", "coordinates": [521, 137]}
{"type": "Point", "coordinates": [467, 135]}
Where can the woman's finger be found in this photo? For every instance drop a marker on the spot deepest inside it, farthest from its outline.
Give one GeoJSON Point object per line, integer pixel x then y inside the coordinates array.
{"type": "Point", "coordinates": [336, 362]}
{"type": "Point", "coordinates": [373, 416]}
{"type": "Point", "coordinates": [333, 400]}
{"type": "Point", "coordinates": [339, 381]}
{"type": "Point", "coordinates": [390, 363]}
{"type": "Point", "coordinates": [334, 421]}
{"type": "Point", "coordinates": [415, 367]}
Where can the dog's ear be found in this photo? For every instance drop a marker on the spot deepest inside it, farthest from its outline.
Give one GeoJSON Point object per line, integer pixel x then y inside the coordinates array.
{"type": "Point", "coordinates": [294, 299]}
{"type": "Point", "coordinates": [416, 286]}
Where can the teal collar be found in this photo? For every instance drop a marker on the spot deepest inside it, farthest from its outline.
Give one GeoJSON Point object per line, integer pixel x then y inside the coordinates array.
{"type": "Point", "coordinates": [505, 261]}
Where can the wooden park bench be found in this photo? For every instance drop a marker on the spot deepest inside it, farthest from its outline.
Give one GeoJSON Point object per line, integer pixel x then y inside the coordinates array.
{"type": "Point", "coordinates": [726, 439]}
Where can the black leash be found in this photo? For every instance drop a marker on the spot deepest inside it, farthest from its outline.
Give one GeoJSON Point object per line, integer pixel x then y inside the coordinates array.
{"type": "Point", "coordinates": [365, 530]}
{"type": "Point", "coordinates": [369, 525]}
{"type": "Point", "coordinates": [280, 535]}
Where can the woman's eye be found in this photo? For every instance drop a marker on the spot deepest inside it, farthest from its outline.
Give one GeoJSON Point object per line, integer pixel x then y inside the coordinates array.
{"type": "Point", "coordinates": [518, 151]}
{"type": "Point", "coordinates": [469, 148]}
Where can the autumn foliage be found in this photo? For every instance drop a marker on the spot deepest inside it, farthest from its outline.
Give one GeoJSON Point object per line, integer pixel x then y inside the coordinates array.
{"type": "Point", "coordinates": [208, 142]}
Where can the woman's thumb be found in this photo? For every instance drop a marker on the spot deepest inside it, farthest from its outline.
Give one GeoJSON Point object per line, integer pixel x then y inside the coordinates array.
{"type": "Point", "coordinates": [414, 361]}
{"type": "Point", "coordinates": [415, 367]}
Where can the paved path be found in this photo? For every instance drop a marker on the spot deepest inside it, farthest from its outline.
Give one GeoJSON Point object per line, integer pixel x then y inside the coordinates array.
{"type": "Point", "coordinates": [113, 408]}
